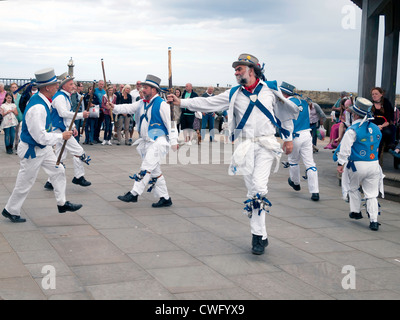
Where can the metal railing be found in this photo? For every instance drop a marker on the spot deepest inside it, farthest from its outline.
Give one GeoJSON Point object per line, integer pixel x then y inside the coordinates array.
{"type": "Point", "coordinates": [19, 82]}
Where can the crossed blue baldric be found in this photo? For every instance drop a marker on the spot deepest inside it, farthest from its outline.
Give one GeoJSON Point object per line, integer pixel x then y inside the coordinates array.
{"type": "Point", "coordinates": [256, 103]}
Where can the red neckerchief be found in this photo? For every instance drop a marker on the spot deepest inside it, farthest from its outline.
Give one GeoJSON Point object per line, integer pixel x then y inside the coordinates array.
{"type": "Point", "coordinates": [253, 86]}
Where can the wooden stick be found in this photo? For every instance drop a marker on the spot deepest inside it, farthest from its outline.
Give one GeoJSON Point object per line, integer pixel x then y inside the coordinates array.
{"type": "Point", "coordinates": [69, 129]}
{"type": "Point", "coordinates": [170, 84]}
{"type": "Point", "coordinates": [105, 85]}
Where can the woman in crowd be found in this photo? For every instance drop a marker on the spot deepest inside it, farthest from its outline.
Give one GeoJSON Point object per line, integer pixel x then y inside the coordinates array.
{"type": "Point", "coordinates": [177, 110]}
{"type": "Point", "coordinates": [317, 119]}
{"type": "Point", "coordinates": [108, 97]}
{"type": "Point", "coordinates": [383, 113]}
{"type": "Point", "coordinates": [334, 138]}
{"type": "Point", "coordinates": [9, 112]}
{"type": "Point", "coordinates": [17, 98]}
{"type": "Point", "coordinates": [123, 120]}
{"type": "Point", "coordinates": [91, 121]}
{"type": "Point", "coordinates": [345, 119]}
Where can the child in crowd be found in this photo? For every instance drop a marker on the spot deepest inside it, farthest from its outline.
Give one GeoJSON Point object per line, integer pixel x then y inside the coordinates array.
{"type": "Point", "coordinates": [9, 112]}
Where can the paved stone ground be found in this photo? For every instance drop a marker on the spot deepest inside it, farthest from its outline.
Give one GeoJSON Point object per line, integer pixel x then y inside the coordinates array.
{"type": "Point", "coordinates": [199, 248]}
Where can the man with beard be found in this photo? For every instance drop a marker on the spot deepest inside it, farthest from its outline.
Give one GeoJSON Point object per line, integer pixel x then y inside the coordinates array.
{"type": "Point", "coordinates": [256, 107]}
{"type": "Point", "coordinates": [155, 138]}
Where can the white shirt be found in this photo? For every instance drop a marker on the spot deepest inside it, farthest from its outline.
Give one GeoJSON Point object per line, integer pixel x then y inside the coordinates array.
{"type": "Point", "coordinates": [257, 125]}
{"type": "Point", "coordinates": [63, 107]}
{"type": "Point", "coordinates": [137, 108]}
{"type": "Point", "coordinates": [135, 94]}
{"type": "Point", "coordinates": [345, 145]}
{"type": "Point", "coordinates": [35, 119]}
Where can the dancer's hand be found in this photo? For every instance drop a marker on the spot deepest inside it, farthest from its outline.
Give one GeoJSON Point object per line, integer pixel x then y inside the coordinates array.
{"type": "Point", "coordinates": [288, 147]}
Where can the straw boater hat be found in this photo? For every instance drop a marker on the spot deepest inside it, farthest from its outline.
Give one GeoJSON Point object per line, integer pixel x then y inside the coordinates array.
{"type": "Point", "coordinates": [287, 88]}
{"type": "Point", "coordinates": [247, 60]}
{"type": "Point", "coordinates": [45, 77]}
{"type": "Point", "coordinates": [152, 81]}
{"type": "Point", "coordinates": [64, 78]}
{"type": "Point", "coordinates": [361, 106]}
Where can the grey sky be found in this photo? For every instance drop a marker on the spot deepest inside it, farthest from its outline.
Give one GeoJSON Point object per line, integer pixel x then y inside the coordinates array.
{"type": "Point", "coordinates": [301, 42]}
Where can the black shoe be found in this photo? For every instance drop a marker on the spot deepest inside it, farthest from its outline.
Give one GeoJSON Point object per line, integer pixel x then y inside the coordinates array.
{"type": "Point", "coordinates": [81, 181]}
{"type": "Point", "coordinates": [162, 203]}
{"type": "Point", "coordinates": [12, 217]}
{"type": "Point", "coordinates": [294, 186]}
{"type": "Point", "coordinates": [258, 244]}
{"type": "Point", "coordinates": [315, 196]}
{"type": "Point", "coordinates": [128, 197]}
{"type": "Point", "coordinates": [355, 215]}
{"type": "Point", "coordinates": [48, 186]}
{"type": "Point", "coordinates": [68, 206]}
{"type": "Point", "coordinates": [374, 226]}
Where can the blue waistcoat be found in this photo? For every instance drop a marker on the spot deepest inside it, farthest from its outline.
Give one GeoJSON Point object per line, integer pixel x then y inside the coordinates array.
{"type": "Point", "coordinates": [25, 135]}
{"type": "Point", "coordinates": [156, 125]}
{"type": "Point", "coordinates": [366, 146]}
{"type": "Point", "coordinates": [56, 121]}
{"type": "Point", "coordinates": [303, 121]}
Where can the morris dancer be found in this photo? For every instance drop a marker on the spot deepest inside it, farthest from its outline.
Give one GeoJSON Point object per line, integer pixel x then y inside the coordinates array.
{"type": "Point", "coordinates": [358, 160]}
{"type": "Point", "coordinates": [155, 138]}
{"type": "Point", "coordinates": [61, 116]}
{"type": "Point", "coordinates": [36, 149]}
{"type": "Point", "coordinates": [255, 108]}
{"type": "Point", "coordinates": [302, 145]}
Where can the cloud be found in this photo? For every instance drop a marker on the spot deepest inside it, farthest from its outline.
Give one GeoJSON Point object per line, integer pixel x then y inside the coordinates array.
{"type": "Point", "coordinates": [299, 41]}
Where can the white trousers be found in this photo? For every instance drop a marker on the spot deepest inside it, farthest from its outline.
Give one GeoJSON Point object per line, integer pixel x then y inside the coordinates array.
{"type": "Point", "coordinates": [29, 169]}
{"type": "Point", "coordinates": [76, 150]}
{"type": "Point", "coordinates": [257, 183]}
{"type": "Point", "coordinates": [152, 153]}
{"type": "Point", "coordinates": [368, 175]}
{"type": "Point", "coordinates": [303, 150]}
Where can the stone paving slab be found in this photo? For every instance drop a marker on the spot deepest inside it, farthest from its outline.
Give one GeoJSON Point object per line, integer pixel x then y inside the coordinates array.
{"type": "Point", "coordinates": [199, 248]}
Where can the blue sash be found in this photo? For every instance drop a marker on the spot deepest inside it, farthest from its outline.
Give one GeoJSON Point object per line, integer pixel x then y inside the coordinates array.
{"type": "Point", "coordinates": [25, 135]}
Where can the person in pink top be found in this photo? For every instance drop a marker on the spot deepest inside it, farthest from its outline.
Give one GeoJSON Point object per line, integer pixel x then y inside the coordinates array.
{"type": "Point", "coordinates": [108, 97]}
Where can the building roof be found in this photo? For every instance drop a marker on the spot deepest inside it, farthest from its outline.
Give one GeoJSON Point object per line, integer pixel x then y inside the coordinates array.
{"type": "Point", "coordinates": [358, 3]}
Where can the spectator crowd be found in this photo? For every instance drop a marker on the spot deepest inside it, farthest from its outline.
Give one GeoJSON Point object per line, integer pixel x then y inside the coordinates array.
{"type": "Point", "coordinates": [119, 129]}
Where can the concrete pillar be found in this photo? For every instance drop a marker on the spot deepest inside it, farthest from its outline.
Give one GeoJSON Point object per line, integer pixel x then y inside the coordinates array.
{"type": "Point", "coordinates": [391, 51]}
{"type": "Point", "coordinates": [389, 67]}
{"type": "Point", "coordinates": [368, 51]}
